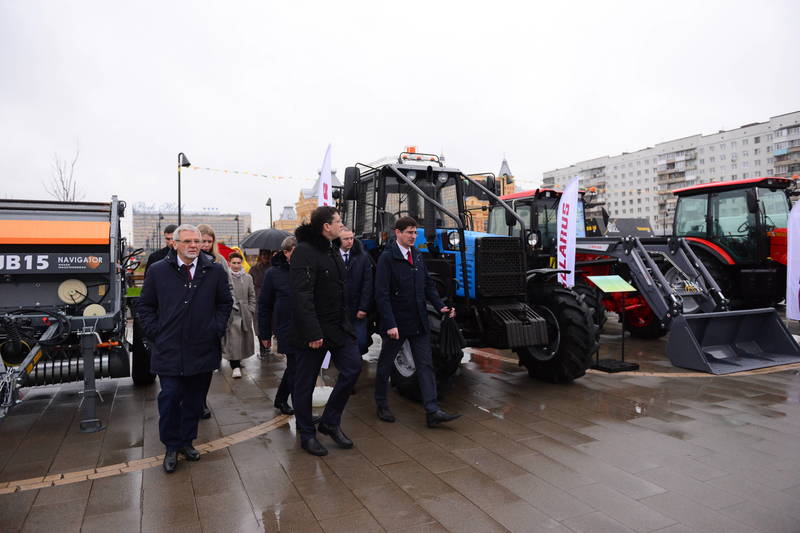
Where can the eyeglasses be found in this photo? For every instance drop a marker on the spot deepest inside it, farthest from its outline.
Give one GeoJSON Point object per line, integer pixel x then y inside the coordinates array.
{"type": "Point", "coordinates": [189, 241]}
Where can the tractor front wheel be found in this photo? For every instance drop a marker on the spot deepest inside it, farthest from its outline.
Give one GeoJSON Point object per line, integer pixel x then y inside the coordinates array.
{"type": "Point", "coordinates": [571, 333]}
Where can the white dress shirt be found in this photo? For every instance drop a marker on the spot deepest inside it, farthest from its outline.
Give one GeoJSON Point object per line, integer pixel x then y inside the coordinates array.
{"type": "Point", "coordinates": [191, 268]}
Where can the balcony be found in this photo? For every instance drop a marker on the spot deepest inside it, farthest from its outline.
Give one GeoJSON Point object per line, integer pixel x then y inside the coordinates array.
{"type": "Point", "coordinates": [793, 159]}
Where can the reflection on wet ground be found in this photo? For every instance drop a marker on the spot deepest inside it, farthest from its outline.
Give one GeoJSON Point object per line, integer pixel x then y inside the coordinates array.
{"type": "Point", "coordinates": [607, 453]}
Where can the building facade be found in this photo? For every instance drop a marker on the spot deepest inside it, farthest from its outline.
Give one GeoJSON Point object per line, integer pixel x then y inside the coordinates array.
{"type": "Point", "coordinates": [149, 224]}
{"type": "Point", "coordinates": [640, 184]}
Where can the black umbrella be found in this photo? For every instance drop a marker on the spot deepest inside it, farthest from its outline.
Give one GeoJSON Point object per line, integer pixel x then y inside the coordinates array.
{"type": "Point", "coordinates": [265, 239]}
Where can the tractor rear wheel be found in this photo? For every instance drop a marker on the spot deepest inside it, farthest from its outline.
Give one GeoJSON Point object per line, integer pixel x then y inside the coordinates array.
{"type": "Point", "coordinates": [572, 335]}
{"type": "Point", "coordinates": [404, 373]}
{"type": "Point", "coordinates": [593, 298]}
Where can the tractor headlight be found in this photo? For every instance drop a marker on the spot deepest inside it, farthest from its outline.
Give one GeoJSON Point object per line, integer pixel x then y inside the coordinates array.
{"type": "Point", "coordinates": [411, 174]}
{"type": "Point", "coordinates": [443, 178]}
{"type": "Point", "coordinates": [454, 239]}
{"type": "Point", "coordinates": [533, 239]}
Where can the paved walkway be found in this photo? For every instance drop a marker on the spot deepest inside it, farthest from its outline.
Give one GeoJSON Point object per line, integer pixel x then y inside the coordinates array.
{"type": "Point", "coordinates": [608, 453]}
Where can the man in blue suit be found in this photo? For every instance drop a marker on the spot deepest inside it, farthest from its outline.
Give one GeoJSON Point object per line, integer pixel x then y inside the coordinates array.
{"type": "Point", "coordinates": [184, 310]}
{"type": "Point", "coordinates": [402, 287]}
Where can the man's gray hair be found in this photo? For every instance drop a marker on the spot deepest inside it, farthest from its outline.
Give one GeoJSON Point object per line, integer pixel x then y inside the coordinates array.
{"type": "Point", "coordinates": [289, 243]}
{"type": "Point", "coordinates": [184, 227]}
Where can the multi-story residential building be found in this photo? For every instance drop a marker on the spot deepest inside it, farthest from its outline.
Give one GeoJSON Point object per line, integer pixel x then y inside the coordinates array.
{"type": "Point", "coordinates": [149, 223]}
{"type": "Point", "coordinates": [640, 184]}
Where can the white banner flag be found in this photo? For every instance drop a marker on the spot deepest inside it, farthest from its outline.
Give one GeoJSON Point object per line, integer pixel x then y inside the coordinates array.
{"type": "Point", "coordinates": [324, 192]}
{"type": "Point", "coordinates": [793, 265]}
{"type": "Point", "coordinates": [567, 217]}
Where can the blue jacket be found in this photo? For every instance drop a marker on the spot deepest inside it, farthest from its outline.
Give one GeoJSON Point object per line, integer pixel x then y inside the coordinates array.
{"type": "Point", "coordinates": [184, 320]}
{"type": "Point", "coordinates": [401, 291]}
{"type": "Point", "coordinates": [359, 281]}
{"type": "Point", "coordinates": [275, 302]}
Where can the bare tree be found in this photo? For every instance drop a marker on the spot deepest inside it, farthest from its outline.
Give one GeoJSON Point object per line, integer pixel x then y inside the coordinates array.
{"type": "Point", "coordinates": [63, 185]}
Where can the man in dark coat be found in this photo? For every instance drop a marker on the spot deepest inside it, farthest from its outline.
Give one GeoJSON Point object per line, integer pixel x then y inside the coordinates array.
{"type": "Point", "coordinates": [402, 286]}
{"type": "Point", "coordinates": [319, 325]}
{"type": "Point", "coordinates": [158, 255]}
{"type": "Point", "coordinates": [359, 285]}
{"type": "Point", "coordinates": [275, 308]}
{"type": "Point", "coordinates": [257, 272]}
{"type": "Point", "coordinates": [184, 309]}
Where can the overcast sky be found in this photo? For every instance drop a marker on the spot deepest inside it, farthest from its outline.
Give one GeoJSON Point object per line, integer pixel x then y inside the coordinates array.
{"type": "Point", "coordinates": [265, 86]}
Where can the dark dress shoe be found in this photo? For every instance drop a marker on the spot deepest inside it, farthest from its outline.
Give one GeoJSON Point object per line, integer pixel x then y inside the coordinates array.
{"type": "Point", "coordinates": [386, 415]}
{"type": "Point", "coordinates": [170, 461]}
{"type": "Point", "coordinates": [336, 433]}
{"type": "Point", "coordinates": [314, 447]}
{"type": "Point", "coordinates": [437, 417]}
{"type": "Point", "coordinates": [284, 408]}
{"type": "Point", "coordinates": [190, 453]}
{"type": "Point", "coordinates": [206, 413]}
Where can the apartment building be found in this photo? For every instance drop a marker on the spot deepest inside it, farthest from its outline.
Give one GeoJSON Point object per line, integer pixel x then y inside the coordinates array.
{"type": "Point", "coordinates": [640, 183]}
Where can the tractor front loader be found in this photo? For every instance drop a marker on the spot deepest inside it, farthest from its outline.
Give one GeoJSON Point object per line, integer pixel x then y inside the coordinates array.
{"type": "Point", "coordinates": [676, 294]}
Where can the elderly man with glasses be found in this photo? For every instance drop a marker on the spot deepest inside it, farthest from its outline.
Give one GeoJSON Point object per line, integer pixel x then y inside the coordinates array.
{"type": "Point", "coordinates": [184, 308]}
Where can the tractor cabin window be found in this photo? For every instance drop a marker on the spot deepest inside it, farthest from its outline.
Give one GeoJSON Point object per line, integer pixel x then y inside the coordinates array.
{"type": "Point", "coordinates": [690, 220]}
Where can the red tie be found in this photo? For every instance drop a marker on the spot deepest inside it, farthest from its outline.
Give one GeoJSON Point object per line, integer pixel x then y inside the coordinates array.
{"type": "Point", "coordinates": [410, 261]}
{"type": "Point", "coordinates": [187, 269]}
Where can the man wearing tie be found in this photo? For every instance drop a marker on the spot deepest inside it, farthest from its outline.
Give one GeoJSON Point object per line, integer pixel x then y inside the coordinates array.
{"type": "Point", "coordinates": [184, 310]}
{"type": "Point", "coordinates": [402, 286]}
{"type": "Point", "coordinates": [359, 285]}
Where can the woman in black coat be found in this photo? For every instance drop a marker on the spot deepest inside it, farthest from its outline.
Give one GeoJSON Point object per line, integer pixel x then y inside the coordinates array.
{"type": "Point", "coordinates": [275, 308]}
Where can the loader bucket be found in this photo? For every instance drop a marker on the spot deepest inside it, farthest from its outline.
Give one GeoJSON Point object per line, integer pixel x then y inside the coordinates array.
{"type": "Point", "coordinates": [731, 341]}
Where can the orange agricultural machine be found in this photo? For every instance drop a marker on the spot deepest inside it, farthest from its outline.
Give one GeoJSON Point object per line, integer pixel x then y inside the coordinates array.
{"type": "Point", "coordinates": [62, 297]}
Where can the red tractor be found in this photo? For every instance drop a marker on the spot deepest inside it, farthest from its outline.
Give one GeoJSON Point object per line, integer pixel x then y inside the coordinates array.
{"type": "Point", "coordinates": [738, 230]}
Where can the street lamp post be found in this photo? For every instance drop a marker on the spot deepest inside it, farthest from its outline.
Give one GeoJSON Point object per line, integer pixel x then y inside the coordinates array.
{"type": "Point", "coordinates": [238, 239]}
{"type": "Point", "coordinates": [160, 218]}
{"type": "Point", "coordinates": [269, 204]}
{"type": "Point", "coordinates": [182, 162]}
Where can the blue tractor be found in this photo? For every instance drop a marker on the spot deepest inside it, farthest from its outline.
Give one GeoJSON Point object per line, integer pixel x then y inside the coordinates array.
{"type": "Point", "coordinates": [500, 303]}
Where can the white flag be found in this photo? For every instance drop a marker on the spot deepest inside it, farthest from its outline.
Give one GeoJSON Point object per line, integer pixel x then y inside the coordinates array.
{"type": "Point", "coordinates": [793, 265]}
{"type": "Point", "coordinates": [324, 192]}
{"type": "Point", "coordinates": [567, 217]}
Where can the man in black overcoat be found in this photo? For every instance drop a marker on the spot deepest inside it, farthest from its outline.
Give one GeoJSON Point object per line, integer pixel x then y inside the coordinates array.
{"type": "Point", "coordinates": [359, 285]}
{"type": "Point", "coordinates": [402, 286]}
{"type": "Point", "coordinates": [184, 309]}
{"type": "Point", "coordinates": [320, 324]}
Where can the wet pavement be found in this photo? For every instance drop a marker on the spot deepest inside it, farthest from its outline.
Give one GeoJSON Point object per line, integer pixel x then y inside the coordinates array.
{"type": "Point", "coordinates": [624, 452]}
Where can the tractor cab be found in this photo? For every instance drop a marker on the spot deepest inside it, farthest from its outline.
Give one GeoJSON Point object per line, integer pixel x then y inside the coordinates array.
{"type": "Point", "coordinates": [537, 208]}
{"type": "Point", "coordinates": [738, 229]}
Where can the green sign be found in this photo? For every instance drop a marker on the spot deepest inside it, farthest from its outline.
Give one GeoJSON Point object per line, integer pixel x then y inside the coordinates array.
{"type": "Point", "coordinates": [610, 284]}
{"type": "Point", "coordinates": [133, 292]}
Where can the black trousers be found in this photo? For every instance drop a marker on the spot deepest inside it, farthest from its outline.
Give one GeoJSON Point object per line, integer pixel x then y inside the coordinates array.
{"type": "Point", "coordinates": [286, 388]}
{"type": "Point", "coordinates": [347, 361]}
{"type": "Point", "coordinates": [180, 404]}
{"type": "Point", "coordinates": [423, 361]}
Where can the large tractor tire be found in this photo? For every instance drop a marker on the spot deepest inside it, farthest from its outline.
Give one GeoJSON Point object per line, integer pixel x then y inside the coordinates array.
{"type": "Point", "coordinates": [593, 298]}
{"type": "Point", "coordinates": [572, 334]}
{"type": "Point", "coordinates": [140, 359]}
{"type": "Point", "coordinates": [404, 373]}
